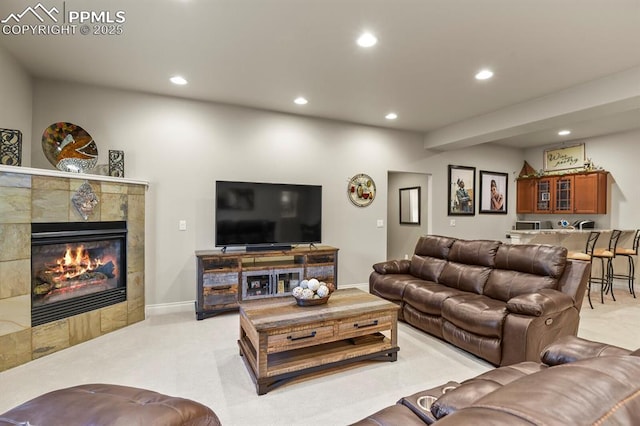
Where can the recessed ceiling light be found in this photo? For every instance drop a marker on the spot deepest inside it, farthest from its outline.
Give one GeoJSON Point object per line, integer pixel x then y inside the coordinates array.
{"type": "Point", "coordinates": [301, 101]}
{"type": "Point", "coordinates": [484, 75]}
{"type": "Point", "coordinates": [564, 132]}
{"type": "Point", "coordinates": [367, 40]}
{"type": "Point", "coordinates": [178, 80]}
{"type": "Point", "coordinates": [391, 116]}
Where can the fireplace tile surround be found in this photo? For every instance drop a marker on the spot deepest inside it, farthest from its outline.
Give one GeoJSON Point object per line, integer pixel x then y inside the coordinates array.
{"type": "Point", "coordinates": [35, 196]}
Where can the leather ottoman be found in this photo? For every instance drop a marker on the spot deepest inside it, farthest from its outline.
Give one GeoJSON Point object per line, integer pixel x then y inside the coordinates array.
{"type": "Point", "coordinates": [113, 405]}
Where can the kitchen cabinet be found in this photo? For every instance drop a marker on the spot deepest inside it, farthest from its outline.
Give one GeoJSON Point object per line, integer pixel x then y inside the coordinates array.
{"type": "Point", "coordinates": [575, 193]}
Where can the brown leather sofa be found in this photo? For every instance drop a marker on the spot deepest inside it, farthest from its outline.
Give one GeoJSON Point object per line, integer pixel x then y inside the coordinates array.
{"type": "Point", "coordinates": [501, 302]}
{"type": "Point", "coordinates": [109, 405]}
{"type": "Point", "coordinates": [579, 382]}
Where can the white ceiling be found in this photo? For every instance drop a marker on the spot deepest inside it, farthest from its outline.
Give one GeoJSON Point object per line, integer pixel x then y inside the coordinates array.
{"type": "Point", "coordinates": [264, 53]}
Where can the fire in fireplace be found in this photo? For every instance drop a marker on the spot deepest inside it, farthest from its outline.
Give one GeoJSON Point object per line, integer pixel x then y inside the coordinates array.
{"type": "Point", "coordinates": [76, 268]}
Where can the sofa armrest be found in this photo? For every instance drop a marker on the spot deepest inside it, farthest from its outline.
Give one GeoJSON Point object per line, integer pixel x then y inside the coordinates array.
{"type": "Point", "coordinates": [543, 302]}
{"type": "Point", "coordinates": [571, 348]}
{"type": "Point", "coordinates": [393, 267]}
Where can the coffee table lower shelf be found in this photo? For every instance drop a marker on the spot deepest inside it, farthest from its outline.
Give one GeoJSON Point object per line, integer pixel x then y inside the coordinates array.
{"type": "Point", "coordinates": [284, 366]}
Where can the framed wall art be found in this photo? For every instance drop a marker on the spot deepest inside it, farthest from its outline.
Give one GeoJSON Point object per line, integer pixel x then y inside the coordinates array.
{"type": "Point", "coordinates": [493, 192]}
{"type": "Point", "coordinates": [462, 184]}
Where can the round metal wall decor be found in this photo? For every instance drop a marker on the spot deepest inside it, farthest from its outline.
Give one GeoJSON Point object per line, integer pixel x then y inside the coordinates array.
{"type": "Point", "coordinates": [361, 190]}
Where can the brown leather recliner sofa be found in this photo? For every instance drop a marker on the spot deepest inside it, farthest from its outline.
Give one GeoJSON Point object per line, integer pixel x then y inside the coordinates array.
{"type": "Point", "coordinates": [579, 382]}
{"type": "Point", "coordinates": [501, 302]}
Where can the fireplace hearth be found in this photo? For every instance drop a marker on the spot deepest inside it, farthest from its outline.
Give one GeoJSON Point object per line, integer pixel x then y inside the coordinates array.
{"type": "Point", "coordinates": [76, 267]}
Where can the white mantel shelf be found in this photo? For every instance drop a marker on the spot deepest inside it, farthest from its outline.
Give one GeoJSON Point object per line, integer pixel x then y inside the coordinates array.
{"type": "Point", "coordinates": [59, 173]}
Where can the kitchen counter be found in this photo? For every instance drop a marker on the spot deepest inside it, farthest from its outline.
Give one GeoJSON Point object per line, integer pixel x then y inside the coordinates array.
{"type": "Point", "coordinates": [572, 239]}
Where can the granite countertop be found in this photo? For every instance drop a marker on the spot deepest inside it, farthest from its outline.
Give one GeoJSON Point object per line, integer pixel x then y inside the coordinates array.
{"type": "Point", "coordinates": [555, 231]}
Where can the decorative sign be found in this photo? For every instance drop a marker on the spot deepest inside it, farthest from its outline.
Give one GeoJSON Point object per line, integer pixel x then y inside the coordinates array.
{"type": "Point", "coordinates": [570, 157]}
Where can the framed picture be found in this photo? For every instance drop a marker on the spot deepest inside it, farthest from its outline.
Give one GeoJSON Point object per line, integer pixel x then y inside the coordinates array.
{"type": "Point", "coordinates": [564, 158]}
{"type": "Point", "coordinates": [493, 192]}
{"type": "Point", "coordinates": [462, 184]}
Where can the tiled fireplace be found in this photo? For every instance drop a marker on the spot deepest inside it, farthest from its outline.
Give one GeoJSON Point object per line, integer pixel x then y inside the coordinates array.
{"type": "Point", "coordinates": [63, 279]}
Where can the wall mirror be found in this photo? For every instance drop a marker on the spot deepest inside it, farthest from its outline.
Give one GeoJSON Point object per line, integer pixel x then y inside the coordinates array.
{"type": "Point", "coordinates": [410, 205]}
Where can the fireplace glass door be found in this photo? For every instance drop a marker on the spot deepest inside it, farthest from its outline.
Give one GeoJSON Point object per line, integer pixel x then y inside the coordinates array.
{"type": "Point", "coordinates": [76, 268]}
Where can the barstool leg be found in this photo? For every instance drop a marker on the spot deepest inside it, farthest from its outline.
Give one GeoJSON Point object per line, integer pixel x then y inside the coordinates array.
{"type": "Point", "coordinates": [589, 292]}
{"type": "Point", "coordinates": [632, 277]}
{"type": "Point", "coordinates": [610, 277]}
{"type": "Point", "coordinates": [602, 280]}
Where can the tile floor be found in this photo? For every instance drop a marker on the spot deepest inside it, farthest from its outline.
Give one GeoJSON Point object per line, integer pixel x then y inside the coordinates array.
{"type": "Point", "coordinates": [177, 355]}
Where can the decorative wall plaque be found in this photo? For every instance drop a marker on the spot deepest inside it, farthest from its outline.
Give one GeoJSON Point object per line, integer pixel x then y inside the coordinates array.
{"type": "Point", "coordinates": [116, 163]}
{"type": "Point", "coordinates": [361, 190]}
{"type": "Point", "coordinates": [85, 200]}
{"type": "Point", "coordinates": [10, 147]}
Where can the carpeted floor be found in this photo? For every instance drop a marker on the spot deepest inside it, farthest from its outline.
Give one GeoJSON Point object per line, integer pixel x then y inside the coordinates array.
{"type": "Point", "coordinates": [179, 356]}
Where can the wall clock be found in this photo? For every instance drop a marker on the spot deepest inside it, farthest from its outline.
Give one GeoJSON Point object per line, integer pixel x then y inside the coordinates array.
{"type": "Point", "coordinates": [361, 190]}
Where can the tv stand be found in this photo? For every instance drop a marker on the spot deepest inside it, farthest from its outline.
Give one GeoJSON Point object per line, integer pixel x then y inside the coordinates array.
{"type": "Point", "coordinates": [227, 278]}
{"type": "Point", "coordinates": [276, 247]}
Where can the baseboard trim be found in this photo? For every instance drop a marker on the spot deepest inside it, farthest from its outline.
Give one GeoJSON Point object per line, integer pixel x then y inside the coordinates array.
{"type": "Point", "coordinates": [170, 308]}
{"type": "Point", "coordinates": [189, 305]}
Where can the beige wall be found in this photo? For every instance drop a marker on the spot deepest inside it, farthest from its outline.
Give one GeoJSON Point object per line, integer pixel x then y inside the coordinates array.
{"type": "Point", "coordinates": [183, 146]}
{"type": "Point", "coordinates": [15, 108]}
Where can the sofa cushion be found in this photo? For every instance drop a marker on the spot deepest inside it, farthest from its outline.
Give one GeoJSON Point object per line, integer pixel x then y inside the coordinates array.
{"type": "Point", "coordinates": [525, 268]}
{"type": "Point", "coordinates": [426, 267]}
{"type": "Point", "coordinates": [434, 246]}
{"type": "Point", "coordinates": [504, 285]}
{"type": "Point", "coordinates": [473, 389]}
{"type": "Point", "coordinates": [392, 267]}
{"type": "Point", "coordinates": [390, 287]}
{"type": "Point", "coordinates": [427, 296]}
{"type": "Point", "coordinates": [474, 252]}
{"type": "Point", "coordinates": [477, 314]}
{"type": "Point", "coordinates": [571, 348]}
{"type": "Point", "coordinates": [537, 259]}
{"type": "Point", "coordinates": [463, 277]}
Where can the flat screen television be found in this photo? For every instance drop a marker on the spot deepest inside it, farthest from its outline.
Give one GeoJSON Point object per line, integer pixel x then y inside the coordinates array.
{"type": "Point", "coordinates": [263, 216]}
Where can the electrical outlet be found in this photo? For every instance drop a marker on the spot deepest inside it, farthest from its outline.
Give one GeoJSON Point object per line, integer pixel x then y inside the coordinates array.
{"type": "Point", "coordinates": [452, 222]}
{"type": "Point", "coordinates": [182, 225]}
{"type": "Point", "coordinates": [380, 223]}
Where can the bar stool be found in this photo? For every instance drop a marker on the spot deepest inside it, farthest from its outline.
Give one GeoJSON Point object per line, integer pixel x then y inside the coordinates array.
{"type": "Point", "coordinates": [587, 256]}
{"type": "Point", "coordinates": [606, 257]}
{"type": "Point", "coordinates": [629, 253]}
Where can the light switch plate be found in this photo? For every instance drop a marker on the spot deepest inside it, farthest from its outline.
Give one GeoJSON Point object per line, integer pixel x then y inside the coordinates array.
{"type": "Point", "coordinates": [182, 225]}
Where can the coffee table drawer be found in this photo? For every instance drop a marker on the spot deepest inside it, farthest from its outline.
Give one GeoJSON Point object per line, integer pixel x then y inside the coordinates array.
{"type": "Point", "coordinates": [299, 338]}
{"type": "Point", "coordinates": [362, 326]}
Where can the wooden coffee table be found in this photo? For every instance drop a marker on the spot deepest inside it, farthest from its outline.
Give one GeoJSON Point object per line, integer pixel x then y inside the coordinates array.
{"type": "Point", "coordinates": [280, 340]}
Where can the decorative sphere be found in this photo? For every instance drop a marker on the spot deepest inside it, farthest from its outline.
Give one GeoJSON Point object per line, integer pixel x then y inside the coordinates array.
{"type": "Point", "coordinates": [313, 284]}
{"type": "Point", "coordinates": [323, 291]}
{"type": "Point", "coordinates": [304, 283]}
{"type": "Point", "coordinates": [307, 294]}
{"type": "Point", "coordinates": [297, 292]}
{"type": "Point", "coordinates": [315, 296]}
{"type": "Point", "coordinates": [332, 287]}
